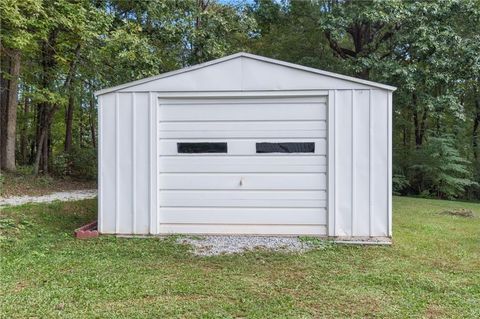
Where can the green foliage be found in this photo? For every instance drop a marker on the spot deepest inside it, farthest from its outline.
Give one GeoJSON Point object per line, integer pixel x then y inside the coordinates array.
{"type": "Point", "coordinates": [290, 31]}
{"type": "Point", "coordinates": [428, 49]}
{"type": "Point", "coordinates": [399, 184]}
{"type": "Point", "coordinates": [19, 19]}
{"type": "Point", "coordinates": [440, 170]}
{"type": "Point", "coordinates": [80, 163]}
{"type": "Point", "coordinates": [2, 179]}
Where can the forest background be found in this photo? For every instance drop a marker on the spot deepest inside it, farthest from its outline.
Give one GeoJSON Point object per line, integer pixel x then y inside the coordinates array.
{"type": "Point", "coordinates": [56, 53]}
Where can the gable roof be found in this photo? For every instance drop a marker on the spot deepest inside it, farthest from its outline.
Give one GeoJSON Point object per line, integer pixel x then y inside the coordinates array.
{"type": "Point", "coordinates": [249, 56]}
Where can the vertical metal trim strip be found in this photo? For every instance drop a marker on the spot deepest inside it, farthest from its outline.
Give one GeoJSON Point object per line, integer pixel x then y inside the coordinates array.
{"type": "Point", "coordinates": [353, 177]}
{"type": "Point", "coordinates": [331, 162]}
{"type": "Point", "coordinates": [150, 163]}
{"type": "Point", "coordinates": [335, 181]}
{"type": "Point", "coordinates": [370, 171]}
{"type": "Point", "coordinates": [390, 167]}
{"type": "Point", "coordinates": [134, 169]}
{"type": "Point", "coordinates": [100, 163]}
{"type": "Point", "coordinates": [117, 162]}
{"type": "Point", "coordinates": [155, 163]}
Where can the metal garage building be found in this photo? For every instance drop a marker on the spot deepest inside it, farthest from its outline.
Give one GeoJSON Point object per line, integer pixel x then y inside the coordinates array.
{"type": "Point", "coordinates": [246, 145]}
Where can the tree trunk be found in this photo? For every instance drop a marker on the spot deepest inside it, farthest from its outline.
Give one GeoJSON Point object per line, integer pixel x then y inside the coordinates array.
{"type": "Point", "coordinates": [4, 62]}
{"type": "Point", "coordinates": [24, 131]}
{"type": "Point", "coordinates": [44, 159]}
{"type": "Point", "coordinates": [40, 149]}
{"type": "Point", "coordinates": [420, 124]}
{"type": "Point", "coordinates": [69, 122]}
{"type": "Point", "coordinates": [10, 115]}
{"type": "Point", "coordinates": [92, 121]}
{"type": "Point", "coordinates": [43, 143]}
{"type": "Point", "coordinates": [45, 110]}
{"type": "Point", "coordinates": [420, 127]}
{"type": "Point", "coordinates": [33, 140]}
{"type": "Point", "coordinates": [198, 54]}
{"type": "Point", "coordinates": [71, 99]}
{"type": "Point", "coordinates": [476, 123]}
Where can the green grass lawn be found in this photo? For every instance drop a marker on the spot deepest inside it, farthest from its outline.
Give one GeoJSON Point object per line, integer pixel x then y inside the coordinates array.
{"type": "Point", "coordinates": [432, 270]}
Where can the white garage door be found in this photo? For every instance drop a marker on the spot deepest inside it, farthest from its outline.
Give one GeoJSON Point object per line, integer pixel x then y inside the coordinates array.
{"type": "Point", "coordinates": [246, 166]}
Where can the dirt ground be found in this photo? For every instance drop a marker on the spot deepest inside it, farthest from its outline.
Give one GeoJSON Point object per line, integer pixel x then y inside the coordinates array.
{"type": "Point", "coordinates": [19, 185]}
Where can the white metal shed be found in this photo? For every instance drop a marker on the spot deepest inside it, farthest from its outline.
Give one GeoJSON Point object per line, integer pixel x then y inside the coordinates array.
{"type": "Point", "coordinates": [246, 145]}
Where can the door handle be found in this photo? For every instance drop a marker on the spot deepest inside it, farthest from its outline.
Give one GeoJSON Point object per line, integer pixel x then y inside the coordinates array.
{"type": "Point", "coordinates": [241, 181]}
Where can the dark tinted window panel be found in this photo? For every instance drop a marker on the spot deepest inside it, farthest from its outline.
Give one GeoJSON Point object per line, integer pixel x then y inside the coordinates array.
{"type": "Point", "coordinates": [286, 147]}
{"type": "Point", "coordinates": [202, 147]}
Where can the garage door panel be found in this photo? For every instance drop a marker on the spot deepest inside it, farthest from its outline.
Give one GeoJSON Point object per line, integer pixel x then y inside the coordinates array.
{"type": "Point", "coordinates": [246, 100]}
{"type": "Point", "coordinates": [243, 229]}
{"type": "Point", "coordinates": [242, 112]}
{"type": "Point", "coordinates": [242, 191]}
{"type": "Point", "coordinates": [306, 181]}
{"type": "Point", "coordinates": [244, 134]}
{"type": "Point", "coordinates": [247, 126]}
{"type": "Point", "coordinates": [238, 146]}
{"type": "Point", "coordinates": [230, 129]}
{"type": "Point", "coordinates": [243, 164]}
{"type": "Point", "coordinates": [243, 198]}
{"type": "Point", "coordinates": [260, 216]}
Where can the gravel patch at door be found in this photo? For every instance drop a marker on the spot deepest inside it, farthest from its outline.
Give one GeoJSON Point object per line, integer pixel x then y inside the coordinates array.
{"type": "Point", "coordinates": [220, 245]}
{"type": "Point", "coordinates": [60, 196]}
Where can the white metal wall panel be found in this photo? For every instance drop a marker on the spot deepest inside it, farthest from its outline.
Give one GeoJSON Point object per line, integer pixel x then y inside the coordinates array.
{"type": "Point", "coordinates": [124, 164]}
{"type": "Point", "coordinates": [244, 74]}
{"type": "Point", "coordinates": [202, 193]}
{"type": "Point", "coordinates": [360, 171]}
{"type": "Point", "coordinates": [259, 75]}
{"type": "Point", "coordinates": [125, 178]}
{"type": "Point", "coordinates": [343, 180]}
{"type": "Point", "coordinates": [142, 159]}
{"type": "Point", "coordinates": [390, 163]}
{"type": "Point", "coordinates": [107, 168]}
{"type": "Point", "coordinates": [380, 172]}
{"type": "Point", "coordinates": [361, 166]}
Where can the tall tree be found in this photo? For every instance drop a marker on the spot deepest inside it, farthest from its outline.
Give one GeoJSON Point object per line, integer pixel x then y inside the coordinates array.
{"type": "Point", "coordinates": [8, 111]}
{"type": "Point", "coordinates": [69, 83]}
{"type": "Point", "coordinates": [16, 30]}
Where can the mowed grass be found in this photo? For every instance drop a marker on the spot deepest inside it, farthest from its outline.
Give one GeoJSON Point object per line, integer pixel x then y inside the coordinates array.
{"type": "Point", "coordinates": [431, 271]}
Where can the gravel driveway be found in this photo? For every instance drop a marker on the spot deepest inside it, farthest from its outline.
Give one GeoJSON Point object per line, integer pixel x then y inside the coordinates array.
{"type": "Point", "coordinates": [60, 196]}
{"type": "Point", "coordinates": [218, 245]}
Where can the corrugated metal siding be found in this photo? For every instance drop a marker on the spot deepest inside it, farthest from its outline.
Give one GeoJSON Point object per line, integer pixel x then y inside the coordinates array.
{"type": "Point", "coordinates": [361, 163]}
{"type": "Point", "coordinates": [124, 163]}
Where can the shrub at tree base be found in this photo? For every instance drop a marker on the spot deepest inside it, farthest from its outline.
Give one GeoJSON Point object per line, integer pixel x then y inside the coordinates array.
{"type": "Point", "coordinates": [79, 163]}
{"type": "Point", "coordinates": [439, 170]}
